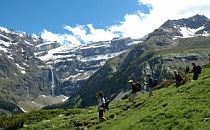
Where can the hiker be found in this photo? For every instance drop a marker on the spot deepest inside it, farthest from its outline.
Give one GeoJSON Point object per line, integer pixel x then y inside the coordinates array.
{"type": "Point", "coordinates": [178, 78]}
{"type": "Point", "coordinates": [101, 103]}
{"type": "Point", "coordinates": [134, 90]}
{"type": "Point", "coordinates": [149, 84]}
{"type": "Point", "coordinates": [196, 71]}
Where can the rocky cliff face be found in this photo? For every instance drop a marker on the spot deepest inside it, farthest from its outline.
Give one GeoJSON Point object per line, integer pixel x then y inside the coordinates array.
{"type": "Point", "coordinates": [74, 65]}
{"type": "Point", "coordinates": [21, 71]}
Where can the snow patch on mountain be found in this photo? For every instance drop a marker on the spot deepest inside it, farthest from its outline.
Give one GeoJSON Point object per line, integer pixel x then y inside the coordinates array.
{"type": "Point", "coordinates": [51, 54]}
{"type": "Point", "coordinates": [22, 70]}
{"type": "Point", "coordinates": [3, 49]}
{"type": "Point", "coordinates": [206, 34]}
{"type": "Point", "coordinates": [88, 46]}
{"type": "Point", "coordinates": [35, 36]}
{"type": "Point", "coordinates": [28, 43]}
{"type": "Point", "coordinates": [134, 43]}
{"type": "Point", "coordinates": [7, 38]}
{"type": "Point", "coordinates": [101, 57]}
{"type": "Point", "coordinates": [4, 30]}
{"type": "Point", "coordinates": [6, 44]}
{"type": "Point", "coordinates": [10, 57]}
{"type": "Point", "coordinates": [189, 32]}
{"type": "Point", "coordinates": [22, 34]}
{"type": "Point", "coordinates": [81, 75]}
{"type": "Point", "coordinates": [45, 43]}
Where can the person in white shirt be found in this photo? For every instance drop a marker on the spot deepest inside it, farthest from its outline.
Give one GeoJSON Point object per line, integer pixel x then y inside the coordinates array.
{"type": "Point", "coordinates": [101, 104]}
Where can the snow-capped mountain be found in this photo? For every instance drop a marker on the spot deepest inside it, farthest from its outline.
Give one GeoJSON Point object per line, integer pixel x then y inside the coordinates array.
{"type": "Point", "coordinates": [198, 25]}
{"type": "Point", "coordinates": [84, 59]}
{"type": "Point", "coordinates": [23, 75]}
{"type": "Point", "coordinates": [73, 65]}
{"type": "Point", "coordinates": [33, 60]}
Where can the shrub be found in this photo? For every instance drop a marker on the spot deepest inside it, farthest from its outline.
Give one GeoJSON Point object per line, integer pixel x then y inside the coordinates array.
{"type": "Point", "coordinates": [11, 123]}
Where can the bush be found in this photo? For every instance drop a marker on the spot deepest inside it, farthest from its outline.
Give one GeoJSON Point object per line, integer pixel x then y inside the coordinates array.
{"type": "Point", "coordinates": [10, 107]}
{"type": "Point", "coordinates": [11, 123]}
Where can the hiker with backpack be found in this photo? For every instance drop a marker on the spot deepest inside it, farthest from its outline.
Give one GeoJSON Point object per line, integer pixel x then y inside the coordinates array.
{"type": "Point", "coordinates": [149, 84]}
{"type": "Point", "coordinates": [134, 90]}
{"type": "Point", "coordinates": [178, 78]}
{"type": "Point", "coordinates": [101, 104]}
{"type": "Point", "coordinates": [196, 71]}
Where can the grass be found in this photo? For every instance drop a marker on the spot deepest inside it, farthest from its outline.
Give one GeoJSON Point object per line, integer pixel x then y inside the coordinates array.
{"type": "Point", "coordinates": [186, 107]}
{"type": "Point", "coordinates": [199, 45]}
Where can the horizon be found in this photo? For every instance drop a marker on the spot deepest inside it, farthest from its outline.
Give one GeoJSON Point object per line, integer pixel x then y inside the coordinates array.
{"type": "Point", "coordinates": [84, 21]}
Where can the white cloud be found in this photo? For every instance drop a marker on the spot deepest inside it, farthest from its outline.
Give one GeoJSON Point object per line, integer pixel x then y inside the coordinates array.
{"type": "Point", "coordinates": [82, 33]}
{"type": "Point", "coordinates": [163, 10]}
{"type": "Point", "coordinates": [77, 31]}
{"type": "Point", "coordinates": [131, 27]}
{"type": "Point", "coordinates": [135, 25]}
{"type": "Point", "coordinates": [62, 38]}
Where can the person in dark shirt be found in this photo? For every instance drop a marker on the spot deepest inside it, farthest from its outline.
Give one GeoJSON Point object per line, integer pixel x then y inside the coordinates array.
{"type": "Point", "coordinates": [149, 84]}
{"type": "Point", "coordinates": [134, 91]}
{"type": "Point", "coordinates": [195, 71]}
{"type": "Point", "coordinates": [178, 78]}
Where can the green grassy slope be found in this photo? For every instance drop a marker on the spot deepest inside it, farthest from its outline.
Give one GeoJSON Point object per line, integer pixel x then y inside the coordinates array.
{"type": "Point", "coordinates": [186, 107]}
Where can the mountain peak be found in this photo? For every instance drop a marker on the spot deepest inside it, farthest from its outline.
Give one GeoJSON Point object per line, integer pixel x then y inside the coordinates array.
{"type": "Point", "coordinates": [185, 27]}
{"type": "Point", "coordinates": [195, 21]}
{"type": "Point", "coordinates": [198, 16]}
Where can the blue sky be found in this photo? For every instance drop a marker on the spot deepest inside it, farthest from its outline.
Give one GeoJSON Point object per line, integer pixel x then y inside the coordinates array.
{"type": "Point", "coordinates": [33, 16]}
{"type": "Point", "coordinates": [82, 21]}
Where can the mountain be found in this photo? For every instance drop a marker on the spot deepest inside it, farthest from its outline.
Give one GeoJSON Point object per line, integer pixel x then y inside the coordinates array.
{"type": "Point", "coordinates": [74, 65]}
{"type": "Point", "coordinates": [198, 25]}
{"type": "Point", "coordinates": [22, 75]}
{"type": "Point", "coordinates": [31, 67]}
{"type": "Point", "coordinates": [185, 107]}
{"type": "Point", "coordinates": [163, 51]}
{"type": "Point", "coordinates": [20, 71]}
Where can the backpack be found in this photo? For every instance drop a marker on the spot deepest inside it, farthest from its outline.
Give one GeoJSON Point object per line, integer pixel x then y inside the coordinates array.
{"type": "Point", "coordinates": [106, 105]}
{"type": "Point", "coordinates": [138, 86]}
{"type": "Point", "coordinates": [199, 69]}
{"type": "Point", "coordinates": [154, 82]}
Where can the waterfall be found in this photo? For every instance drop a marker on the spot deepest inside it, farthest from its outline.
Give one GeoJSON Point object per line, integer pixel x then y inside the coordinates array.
{"type": "Point", "coordinates": [52, 83]}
